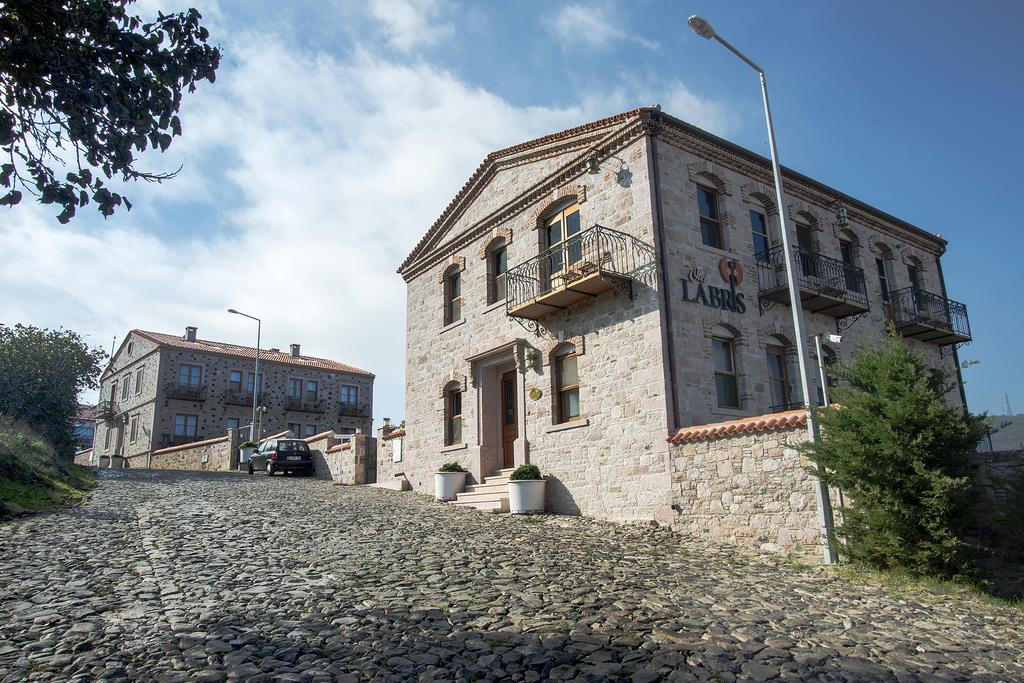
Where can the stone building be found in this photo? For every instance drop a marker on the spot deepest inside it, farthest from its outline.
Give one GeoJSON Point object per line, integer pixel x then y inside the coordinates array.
{"type": "Point", "coordinates": [162, 390]}
{"type": "Point", "coordinates": [588, 294]}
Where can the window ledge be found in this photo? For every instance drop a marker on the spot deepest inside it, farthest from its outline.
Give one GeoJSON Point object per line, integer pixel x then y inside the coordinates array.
{"type": "Point", "coordinates": [563, 426]}
{"type": "Point", "coordinates": [500, 303]}
{"type": "Point", "coordinates": [450, 326]}
{"type": "Point", "coordinates": [454, 447]}
{"type": "Point", "coordinates": [715, 250]}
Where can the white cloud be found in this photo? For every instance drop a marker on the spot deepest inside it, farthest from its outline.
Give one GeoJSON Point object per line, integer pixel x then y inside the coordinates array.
{"type": "Point", "coordinates": [410, 24]}
{"type": "Point", "coordinates": [596, 26]}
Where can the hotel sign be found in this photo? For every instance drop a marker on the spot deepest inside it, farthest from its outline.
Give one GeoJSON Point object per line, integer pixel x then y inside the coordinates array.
{"type": "Point", "coordinates": [697, 291]}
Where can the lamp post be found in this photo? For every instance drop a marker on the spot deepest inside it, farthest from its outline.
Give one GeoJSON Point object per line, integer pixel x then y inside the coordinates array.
{"type": "Point", "coordinates": [256, 372]}
{"type": "Point", "coordinates": [703, 29]}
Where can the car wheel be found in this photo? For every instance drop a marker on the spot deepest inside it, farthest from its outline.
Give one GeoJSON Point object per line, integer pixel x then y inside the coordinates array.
{"type": "Point", "coordinates": [270, 469]}
{"type": "Point", "coordinates": [250, 467]}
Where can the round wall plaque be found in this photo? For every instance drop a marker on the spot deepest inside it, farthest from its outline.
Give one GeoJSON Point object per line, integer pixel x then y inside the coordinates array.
{"type": "Point", "coordinates": [535, 393]}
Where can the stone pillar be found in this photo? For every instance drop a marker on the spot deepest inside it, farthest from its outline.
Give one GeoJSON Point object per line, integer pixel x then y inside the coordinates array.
{"type": "Point", "coordinates": [364, 457]}
{"type": "Point", "coordinates": [232, 450]}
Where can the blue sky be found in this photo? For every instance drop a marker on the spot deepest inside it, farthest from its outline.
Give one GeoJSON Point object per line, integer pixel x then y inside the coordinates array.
{"type": "Point", "coordinates": [338, 131]}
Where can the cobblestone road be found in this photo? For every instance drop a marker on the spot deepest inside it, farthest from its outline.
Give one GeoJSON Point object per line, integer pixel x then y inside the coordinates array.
{"type": "Point", "coordinates": [175, 576]}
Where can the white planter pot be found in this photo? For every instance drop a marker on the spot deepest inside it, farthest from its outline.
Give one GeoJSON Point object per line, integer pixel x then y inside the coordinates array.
{"type": "Point", "coordinates": [245, 454]}
{"type": "Point", "coordinates": [526, 496]}
{"type": "Point", "coordinates": [448, 485]}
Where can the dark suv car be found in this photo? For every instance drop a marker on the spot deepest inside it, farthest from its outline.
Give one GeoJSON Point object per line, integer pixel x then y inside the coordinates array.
{"type": "Point", "coordinates": [282, 455]}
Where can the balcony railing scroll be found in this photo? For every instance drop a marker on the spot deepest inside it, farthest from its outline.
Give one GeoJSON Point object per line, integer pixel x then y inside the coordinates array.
{"type": "Point", "coordinates": [105, 410]}
{"type": "Point", "coordinates": [351, 410]}
{"type": "Point", "coordinates": [241, 398]}
{"type": "Point", "coordinates": [913, 307]}
{"type": "Point", "coordinates": [596, 250]}
{"type": "Point", "coordinates": [815, 273]}
{"type": "Point", "coordinates": [186, 392]}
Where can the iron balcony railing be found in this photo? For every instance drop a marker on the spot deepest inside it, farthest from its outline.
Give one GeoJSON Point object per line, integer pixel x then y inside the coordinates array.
{"type": "Point", "coordinates": [186, 392]}
{"type": "Point", "coordinates": [105, 410]}
{"type": "Point", "coordinates": [351, 410]}
{"type": "Point", "coordinates": [814, 273]}
{"type": "Point", "coordinates": [595, 250]}
{"type": "Point", "coordinates": [304, 406]}
{"type": "Point", "coordinates": [168, 440]}
{"type": "Point", "coordinates": [241, 398]}
{"type": "Point", "coordinates": [912, 306]}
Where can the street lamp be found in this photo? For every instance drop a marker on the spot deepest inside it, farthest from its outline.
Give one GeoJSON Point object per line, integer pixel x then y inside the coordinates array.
{"type": "Point", "coordinates": [256, 374]}
{"type": "Point", "coordinates": [703, 29]}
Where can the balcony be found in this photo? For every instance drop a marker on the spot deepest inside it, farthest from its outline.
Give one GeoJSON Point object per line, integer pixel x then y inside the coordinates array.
{"type": "Point", "coordinates": [351, 410]}
{"type": "Point", "coordinates": [301, 406]}
{"type": "Point", "coordinates": [186, 392]}
{"type": "Point", "coordinates": [170, 440]}
{"type": "Point", "coordinates": [827, 286]}
{"type": "Point", "coordinates": [105, 410]}
{"type": "Point", "coordinates": [586, 265]}
{"type": "Point", "coordinates": [241, 398]}
{"type": "Point", "coordinates": [928, 317]}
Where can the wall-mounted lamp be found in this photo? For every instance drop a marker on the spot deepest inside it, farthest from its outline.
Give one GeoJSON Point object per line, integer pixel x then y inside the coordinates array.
{"type": "Point", "coordinates": [842, 217]}
{"type": "Point", "coordinates": [622, 176]}
{"type": "Point", "coordinates": [593, 165]}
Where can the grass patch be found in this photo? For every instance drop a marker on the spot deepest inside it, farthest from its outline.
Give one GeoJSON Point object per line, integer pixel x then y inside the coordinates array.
{"type": "Point", "coordinates": [906, 585]}
{"type": "Point", "coordinates": [531, 519]}
{"type": "Point", "coordinates": [32, 476]}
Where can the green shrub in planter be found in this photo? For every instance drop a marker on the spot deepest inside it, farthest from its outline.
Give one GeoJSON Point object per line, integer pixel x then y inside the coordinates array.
{"type": "Point", "coordinates": [248, 444]}
{"type": "Point", "coordinates": [451, 467]}
{"type": "Point", "coordinates": [525, 472]}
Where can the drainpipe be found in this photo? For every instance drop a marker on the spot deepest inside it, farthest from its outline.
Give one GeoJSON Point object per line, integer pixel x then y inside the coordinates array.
{"type": "Point", "coordinates": [956, 355]}
{"type": "Point", "coordinates": [659, 229]}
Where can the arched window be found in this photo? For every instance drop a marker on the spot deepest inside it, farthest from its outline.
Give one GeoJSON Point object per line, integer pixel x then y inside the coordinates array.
{"type": "Point", "coordinates": [759, 229]}
{"type": "Point", "coordinates": [567, 384]}
{"type": "Point", "coordinates": [453, 414]}
{"type": "Point", "coordinates": [497, 270]}
{"type": "Point", "coordinates": [883, 269]}
{"type": "Point", "coordinates": [805, 247]}
{"type": "Point", "coordinates": [779, 388]}
{"type": "Point", "coordinates": [453, 296]}
{"type": "Point", "coordinates": [710, 217]}
{"type": "Point", "coordinates": [723, 346]}
{"type": "Point", "coordinates": [915, 271]}
{"type": "Point", "coordinates": [848, 255]}
{"type": "Point", "coordinates": [560, 227]}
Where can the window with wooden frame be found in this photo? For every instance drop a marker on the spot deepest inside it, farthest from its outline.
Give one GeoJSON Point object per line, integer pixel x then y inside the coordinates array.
{"type": "Point", "coordinates": [186, 425]}
{"type": "Point", "coordinates": [312, 391]}
{"type": "Point", "coordinates": [349, 394]}
{"type": "Point", "coordinates": [805, 249]}
{"type": "Point", "coordinates": [883, 278]}
{"type": "Point", "coordinates": [235, 381]}
{"type": "Point", "coordinates": [567, 385]}
{"type": "Point", "coordinates": [295, 388]}
{"type": "Point", "coordinates": [138, 380]}
{"type": "Point", "coordinates": [497, 272]}
{"type": "Point", "coordinates": [726, 382]}
{"type": "Point", "coordinates": [710, 222]}
{"type": "Point", "coordinates": [916, 274]}
{"type": "Point", "coordinates": [309, 430]}
{"type": "Point", "coordinates": [453, 297]}
{"type": "Point", "coordinates": [453, 416]}
{"type": "Point", "coordinates": [561, 227]}
{"type": "Point", "coordinates": [778, 378]}
{"type": "Point", "coordinates": [106, 439]}
{"type": "Point", "coordinates": [759, 230]}
{"type": "Point", "coordinates": [133, 432]}
{"type": "Point", "coordinates": [113, 391]}
{"type": "Point", "coordinates": [190, 375]}
{"type": "Point", "coordinates": [252, 380]}
{"type": "Point", "coordinates": [126, 387]}
{"type": "Point", "coordinates": [846, 254]}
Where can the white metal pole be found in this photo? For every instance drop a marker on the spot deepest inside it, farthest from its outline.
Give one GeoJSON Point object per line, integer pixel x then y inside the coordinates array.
{"type": "Point", "coordinates": [821, 370]}
{"type": "Point", "coordinates": [256, 382]}
{"type": "Point", "coordinates": [825, 519]}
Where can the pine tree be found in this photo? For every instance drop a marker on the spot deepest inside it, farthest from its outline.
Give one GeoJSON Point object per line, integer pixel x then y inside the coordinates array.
{"type": "Point", "coordinates": [899, 452]}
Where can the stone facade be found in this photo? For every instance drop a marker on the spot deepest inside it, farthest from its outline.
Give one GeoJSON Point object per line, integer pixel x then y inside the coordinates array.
{"type": "Point", "coordinates": [644, 347]}
{"type": "Point", "coordinates": [150, 365]}
{"type": "Point", "coordinates": [344, 459]}
{"type": "Point", "coordinates": [85, 458]}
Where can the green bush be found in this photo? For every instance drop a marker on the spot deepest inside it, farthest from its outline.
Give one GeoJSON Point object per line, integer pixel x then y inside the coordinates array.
{"type": "Point", "coordinates": [451, 467]}
{"type": "Point", "coordinates": [32, 475]}
{"type": "Point", "coordinates": [525, 472]}
{"type": "Point", "coordinates": [248, 444]}
{"type": "Point", "coordinates": [899, 452]}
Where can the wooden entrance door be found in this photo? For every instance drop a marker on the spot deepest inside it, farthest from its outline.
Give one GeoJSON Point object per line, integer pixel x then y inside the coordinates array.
{"type": "Point", "coordinates": [509, 423]}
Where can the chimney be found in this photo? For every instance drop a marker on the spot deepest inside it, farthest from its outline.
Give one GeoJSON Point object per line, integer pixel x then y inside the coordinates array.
{"type": "Point", "coordinates": [295, 350]}
{"type": "Point", "coordinates": [190, 333]}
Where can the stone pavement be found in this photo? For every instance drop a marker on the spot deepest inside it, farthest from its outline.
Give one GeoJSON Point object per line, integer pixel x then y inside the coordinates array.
{"type": "Point", "coordinates": [174, 576]}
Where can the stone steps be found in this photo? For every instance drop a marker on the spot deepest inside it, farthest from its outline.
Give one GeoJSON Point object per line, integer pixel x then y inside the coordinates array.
{"type": "Point", "coordinates": [490, 495]}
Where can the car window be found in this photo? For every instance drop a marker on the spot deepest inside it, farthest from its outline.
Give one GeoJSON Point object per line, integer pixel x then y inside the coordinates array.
{"type": "Point", "coordinates": [293, 447]}
{"type": "Point", "coordinates": [267, 447]}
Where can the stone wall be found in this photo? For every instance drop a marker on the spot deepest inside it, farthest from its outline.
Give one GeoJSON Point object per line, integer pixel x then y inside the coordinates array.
{"type": "Point", "coordinates": [749, 488]}
{"type": "Point", "coordinates": [86, 458]}
{"type": "Point", "coordinates": [344, 459]}
{"type": "Point", "coordinates": [219, 455]}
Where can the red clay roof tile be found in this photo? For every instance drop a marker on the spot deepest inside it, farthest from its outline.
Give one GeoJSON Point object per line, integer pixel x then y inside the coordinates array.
{"type": "Point", "coordinates": [746, 425]}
